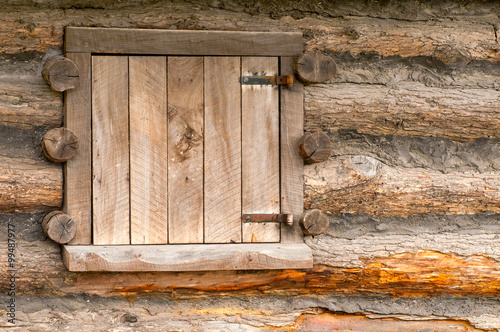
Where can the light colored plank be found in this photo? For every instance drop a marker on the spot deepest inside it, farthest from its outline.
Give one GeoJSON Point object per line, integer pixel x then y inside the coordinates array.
{"type": "Point", "coordinates": [181, 42]}
{"type": "Point", "coordinates": [110, 150]}
{"type": "Point", "coordinates": [148, 150]}
{"type": "Point", "coordinates": [260, 149]}
{"type": "Point", "coordinates": [185, 149]}
{"type": "Point", "coordinates": [222, 150]}
{"type": "Point", "coordinates": [204, 257]}
{"type": "Point", "coordinates": [292, 165]}
{"type": "Point", "coordinates": [78, 170]}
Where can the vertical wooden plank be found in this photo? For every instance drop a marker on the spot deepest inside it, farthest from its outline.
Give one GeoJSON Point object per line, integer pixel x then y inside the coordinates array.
{"type": "Point", "coordinates": [148, 150]}
{"type": "Point", "coordinates": [78, 171]}
{"type": "Point", "coordinates": [185, 149]}
{"type": "Point", "coordinates": [260, 149]}
{"type": "Point", "coordinates": [292, 166]}
{"type": "Point", "coordinates": [222, 192]}
{"type": "Point", "coordinates": [110, 150]}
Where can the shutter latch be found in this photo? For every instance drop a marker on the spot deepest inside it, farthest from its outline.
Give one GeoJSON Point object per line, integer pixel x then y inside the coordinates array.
{"type": "Point", "coordinates": [273, 80]}
{"type": "Point", "coordinates": [286, 219]}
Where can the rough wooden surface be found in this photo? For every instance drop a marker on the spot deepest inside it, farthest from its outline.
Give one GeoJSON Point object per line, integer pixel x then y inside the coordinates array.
{"type": "Point", "coordinates": [60, 73]}
{"type": "Point", "coordinates": [315, 67]}
{"type": "Point", "coordinates": [60, 145]}
{"type": "Point", "coordinates": [315, 147]}
{"type": "Point", "coordinates": [203, 257]}
{"type": "Point", "coordinates": [314, 222]}
{"type": "Point", "coordinates": [59, 227]}
{"type": "Point", "coordinates": [362, 184]}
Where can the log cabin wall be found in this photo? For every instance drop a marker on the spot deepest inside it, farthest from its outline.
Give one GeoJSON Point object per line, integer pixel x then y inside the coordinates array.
{"type": "Point", "coordinates": [412, 188]}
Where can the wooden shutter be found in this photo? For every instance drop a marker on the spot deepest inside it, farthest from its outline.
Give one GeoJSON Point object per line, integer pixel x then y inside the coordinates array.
{"type": "Point", "coordinates": [175, 149]}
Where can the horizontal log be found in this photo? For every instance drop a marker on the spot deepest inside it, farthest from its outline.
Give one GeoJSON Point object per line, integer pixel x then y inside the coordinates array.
{"type": "Point", "coordinates": [363, 185]}
{"type": "Point", "coordinates": [448, 40]}
{"type": "Point", "coordinates": [408, 109]}
{"type": "Point", "coordinates": [418, 273]}
{"type": "Point", "coordinates": [29, 185]}
{"type": "Point", "coordinates": [29, 102]}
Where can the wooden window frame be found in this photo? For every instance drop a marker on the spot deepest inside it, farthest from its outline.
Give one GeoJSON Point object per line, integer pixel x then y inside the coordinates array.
{"type": "Point", "coordinates": [80, 254]}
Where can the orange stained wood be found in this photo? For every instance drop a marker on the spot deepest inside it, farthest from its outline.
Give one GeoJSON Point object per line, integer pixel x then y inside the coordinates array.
{"type": "Point", "coordinates": [421, 273]}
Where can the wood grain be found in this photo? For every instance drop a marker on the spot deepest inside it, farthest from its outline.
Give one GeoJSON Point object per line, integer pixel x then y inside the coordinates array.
{"type": "Point", "coordinates": [260, 149]}
{"type": "Point", "coordinates": [59, 144]}
{"type": "Point", "coordinates": [181, 42]}
{"type": "Point", "coordinates": [148, 150]}
{"type": "Point", "coordinates": [185, 149]}
{"type": "Point", "coordinates": [222, 150]}
{"type": "Point", "coordinates": [60, 73]}
{"type": "Point", "coordinates": [363, 185]}
{"type": "Point", "coordinates": [292, 165]}
{"type": "Point", "coordinates": [110, 150]}
{"type": "Point", "coordinates": [410, 109]}
{"type": "Point", "coordinates": [78, 170]}
{"type": "Point", "coordinates": [204, 257]}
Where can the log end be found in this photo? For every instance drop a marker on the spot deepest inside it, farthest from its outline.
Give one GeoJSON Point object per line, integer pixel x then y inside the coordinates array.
{"type": "Point", "coordinates": [314, 222]}
{"type": "Point", "coordinates": [60, 73]}
{"type": "Point", "coordinates": [60, 145]}
{"type": "Point", "coordinates": [315, 147]}
{"type": "Point", "coordinates": [315, 68]}
{"type": "Point", "coordinates": [59, 227]}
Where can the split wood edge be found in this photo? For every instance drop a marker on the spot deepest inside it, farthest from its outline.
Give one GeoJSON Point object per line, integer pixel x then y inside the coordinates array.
{"type": "Point", "coordinates": [60, 73]}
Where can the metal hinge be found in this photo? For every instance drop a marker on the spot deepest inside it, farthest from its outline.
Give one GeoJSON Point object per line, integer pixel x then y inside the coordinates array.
{"type": "Point", "coordinates": [286, 219]}
{"type": "Point", "coordinates": [273, 80]}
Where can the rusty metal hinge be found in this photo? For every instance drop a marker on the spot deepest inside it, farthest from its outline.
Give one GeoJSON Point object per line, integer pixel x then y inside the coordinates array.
{"type": "Point", "coordinates": [273, 80]}
{"type": "Point", "coordinates": [286, 219]}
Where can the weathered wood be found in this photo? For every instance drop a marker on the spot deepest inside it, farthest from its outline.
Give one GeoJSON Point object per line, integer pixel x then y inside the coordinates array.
{"type": "Point", "coordinates": [363, 185]}
{"type": "Point", "coordinates": [178, 42]}
{"type": "Point", "coordinates": [25, 103]}
{"type": "Point", "coordinates": [60, 73]}
{"type": "Point", "coordinates": [29, 185]}
{"type": "Point", "coordinates": [187, 257]}
{"type": "Point", "coordinates": [410, 109]}
{"type": "Point", "coordinates": [315, 147]}
{"type": "Point", "coordinates": [59, 227]}
{"type": "Point", "coordinates": [60, 145]}
{"type": "Point", "coordinates": [185, 149]}
{"type": "Point", "coordinates": [314, 222]}
{"type": "Point", "coordinates": [260, 149]}
{"type": "Point", "coordinates": [222, 159]}
{"type": "Point", "coordinates": [315, 67]}
{"type": "Point", "coordinates": [78, 171]}
{"type": "Point", "coordinates": [110, 150]}
{"type": "Point", "coordinates": [148, 150]}
{"type": "Point", "coordinates": [292, 166]}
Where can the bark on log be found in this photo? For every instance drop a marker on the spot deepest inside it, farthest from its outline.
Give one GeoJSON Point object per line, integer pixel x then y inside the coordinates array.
{"type": "Point", "coordinates": [29, 185]}
{"type": "Point", "coordinates": [408, 109]}
{"type": "Point", "coordinates": [363, 185]}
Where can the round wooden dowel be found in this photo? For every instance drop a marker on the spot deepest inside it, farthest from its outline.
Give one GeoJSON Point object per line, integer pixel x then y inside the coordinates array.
{"type": "Point", "coordinates": [59, 227]}
{"type": "Point", "coordinates": [315, 67]}
{"type": "Point", "coordinates": [60, 144]}
{"type": "Point", "coordinates": [60, 73]}
{"type": "Point", "coordinates": [314, 222]}
{"type": "Point", "coordinates": [315, 147]}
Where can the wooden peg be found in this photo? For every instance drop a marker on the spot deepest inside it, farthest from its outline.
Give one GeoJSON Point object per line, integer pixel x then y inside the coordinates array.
{"type": "Point", "coordinates": [59, 227]}
{"type": "Point", "coordinates": [60, 145]}
{"type": "Point", "coordinates": [315, 147]}
{"type": "Point", "coordinates": [60, 73]}
{"type": "Point", "coordinates": [315, 67]}
{"type": "Point", "coordinates": [314, 222]}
